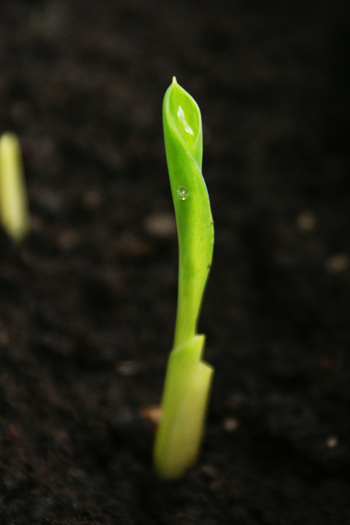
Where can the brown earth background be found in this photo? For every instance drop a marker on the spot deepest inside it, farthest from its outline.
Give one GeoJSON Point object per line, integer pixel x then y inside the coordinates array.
{"type": "Point", "coordinates": [87, 303]}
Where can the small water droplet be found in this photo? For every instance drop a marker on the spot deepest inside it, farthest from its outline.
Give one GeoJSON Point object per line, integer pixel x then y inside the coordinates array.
{"type": "Point", "coordinates": [182, 193]}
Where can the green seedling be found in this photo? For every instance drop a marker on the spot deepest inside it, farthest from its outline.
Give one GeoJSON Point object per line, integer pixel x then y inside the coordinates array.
{"type": "Point", "coordinates": [188, 377]}
{"type": "Point", "coordinates": [14, 211]}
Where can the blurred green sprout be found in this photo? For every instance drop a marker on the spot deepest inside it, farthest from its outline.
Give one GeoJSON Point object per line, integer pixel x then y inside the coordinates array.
{"type": "Point", "coordinates": [188, 377]}
{"type": "Point", "coordinates": [14, 210]}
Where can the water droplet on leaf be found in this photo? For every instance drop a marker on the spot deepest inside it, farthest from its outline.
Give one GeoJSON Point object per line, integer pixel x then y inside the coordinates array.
{"type": "Point", "coordinates": [182, 193]}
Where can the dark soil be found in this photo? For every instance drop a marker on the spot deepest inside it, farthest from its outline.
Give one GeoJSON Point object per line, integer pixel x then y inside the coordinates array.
{"type": "Point", "coordinates": [87, 303]}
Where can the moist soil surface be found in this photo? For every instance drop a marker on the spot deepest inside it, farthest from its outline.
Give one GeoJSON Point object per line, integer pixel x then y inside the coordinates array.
{"type": "Point", "coordinates": [88, 301]}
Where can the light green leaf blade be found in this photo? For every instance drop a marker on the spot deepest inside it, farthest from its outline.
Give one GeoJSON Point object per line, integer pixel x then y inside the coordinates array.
{"type": "Point", "coordinates": [184, 146]}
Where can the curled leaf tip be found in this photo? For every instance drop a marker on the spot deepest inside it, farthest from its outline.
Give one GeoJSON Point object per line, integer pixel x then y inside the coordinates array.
{"type": "Point", "coordinates": [182, 117]}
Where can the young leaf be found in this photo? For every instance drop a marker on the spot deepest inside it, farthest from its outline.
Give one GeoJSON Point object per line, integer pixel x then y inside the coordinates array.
{"type": "Point", "coordinates": [183, 138]}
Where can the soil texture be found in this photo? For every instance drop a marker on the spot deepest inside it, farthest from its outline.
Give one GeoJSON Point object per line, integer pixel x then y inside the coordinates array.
{"type": "Point", "coordinates": [88, 301]}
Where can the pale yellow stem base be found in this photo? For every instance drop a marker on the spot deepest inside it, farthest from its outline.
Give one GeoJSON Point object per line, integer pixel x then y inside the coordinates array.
{"type": "Point", "coordinates": [186, 393]}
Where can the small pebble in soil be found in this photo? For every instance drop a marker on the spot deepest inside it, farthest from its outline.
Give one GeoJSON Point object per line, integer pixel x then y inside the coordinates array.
{"type": "Point", "coordinates": [230, 424]}
{"type": "Point", "coordinates": [50, 201]}
{"type": "Point", "coordinates": [22, 112]}
{"type": "Point", "coordinates": [161, 225]}
{"type": "Point", "coordinates": [306, 222]}
{"type": "Point", "coordinates": [4, 337]}
{"type": "Point", "coordinates": [234, 401]}
{"type": "Point", "coordinates": [127, 368]}
{"type": "Point", "coordinates": [78, 474]}
{"type": "Point", "coordinates": [152, 413]}
{"type": "Point", "coordinates": [36, 224]}
{"type": "Point", "coordinates": [130, 245]}
{"type": "Point", "coordinates": [338, 263]}
{"type": "Point", "coordinates": [61, 435]}
{"type": "Point", "coordinates": [332, 441]}
{"type": "Point", "coordinates": [125, 416]}
{"type": "Point", "coordinates": [209, 470]}
{"type": "Point", "coordinates": [14, 479]}
{"type": "Point", "coordinates": [68, 239]}
{"type": "Point", "coordinates": [91, 200]}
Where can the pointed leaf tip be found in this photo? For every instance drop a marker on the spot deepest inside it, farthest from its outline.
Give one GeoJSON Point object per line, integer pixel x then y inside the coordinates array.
{"type": "Point", "coordinates": [182, 113]}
